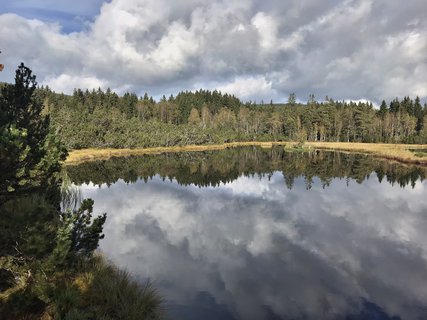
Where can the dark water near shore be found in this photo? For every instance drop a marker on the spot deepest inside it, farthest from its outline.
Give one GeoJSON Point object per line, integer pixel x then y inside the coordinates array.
{"type": "Point", "coordinates": [255, 233]}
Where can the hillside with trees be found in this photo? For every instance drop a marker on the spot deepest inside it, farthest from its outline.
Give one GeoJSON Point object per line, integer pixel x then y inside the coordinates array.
{"type": "Point", "coordinates": [102, 119]}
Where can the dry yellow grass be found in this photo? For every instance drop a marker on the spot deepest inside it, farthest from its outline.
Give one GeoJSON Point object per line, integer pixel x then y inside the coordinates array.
{"type": "Point", "coordinates": [77, 156]}
{"type": "Point", "coordinates": [398, 152]}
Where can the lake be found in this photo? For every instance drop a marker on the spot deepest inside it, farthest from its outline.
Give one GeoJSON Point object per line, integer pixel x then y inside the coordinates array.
{"type": "Point", "coordinates": [254, 233]}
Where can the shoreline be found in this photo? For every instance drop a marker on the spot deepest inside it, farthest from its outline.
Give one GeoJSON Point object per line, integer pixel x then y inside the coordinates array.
{"type": "Point", "coordinates": [394, 152]}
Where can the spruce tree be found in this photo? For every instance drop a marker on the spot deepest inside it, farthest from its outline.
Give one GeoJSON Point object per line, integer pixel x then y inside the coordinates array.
{"type": "Point", "coordinates": [383, 110]}
{"type": "Point", "coordinates": [418, 113]}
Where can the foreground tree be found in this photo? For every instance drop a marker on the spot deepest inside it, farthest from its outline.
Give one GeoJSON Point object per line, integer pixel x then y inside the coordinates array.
{"type": "Point", "coordinates": [29, 155]}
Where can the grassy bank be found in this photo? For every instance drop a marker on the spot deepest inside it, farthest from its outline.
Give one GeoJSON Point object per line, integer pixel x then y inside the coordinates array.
{"type": "Point", "coordinates": [397, 152]}
{"type": "Point", "coordinates": [83, 155]}
{"type": "Point", "coordinates": [96, 289]}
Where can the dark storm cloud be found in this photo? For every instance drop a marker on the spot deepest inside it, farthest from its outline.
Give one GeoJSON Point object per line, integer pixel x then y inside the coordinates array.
{"type": "Point", "coordinates": [354, 49]}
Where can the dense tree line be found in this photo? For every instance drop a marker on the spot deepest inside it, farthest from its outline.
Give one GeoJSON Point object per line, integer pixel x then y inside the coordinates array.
{"type": "Point", "coordinates": [100, 118]}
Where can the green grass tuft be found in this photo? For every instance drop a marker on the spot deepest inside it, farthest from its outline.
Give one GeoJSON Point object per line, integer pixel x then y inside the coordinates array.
{"type": "Point", "coordinates": [110, 293]}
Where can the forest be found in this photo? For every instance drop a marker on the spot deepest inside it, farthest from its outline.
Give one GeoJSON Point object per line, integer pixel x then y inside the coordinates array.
{"type": "Point", "coordinates": [103, 119]}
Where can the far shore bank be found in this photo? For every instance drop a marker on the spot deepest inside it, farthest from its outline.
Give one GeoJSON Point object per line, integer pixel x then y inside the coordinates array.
{"type": "Point", "coordinates": [396, 152]}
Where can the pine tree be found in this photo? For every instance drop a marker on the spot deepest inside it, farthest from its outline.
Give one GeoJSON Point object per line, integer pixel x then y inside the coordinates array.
{"type": "Point", "coordinates": [78, 235]}
{"type": "Point", "coordinates": [29, 155]}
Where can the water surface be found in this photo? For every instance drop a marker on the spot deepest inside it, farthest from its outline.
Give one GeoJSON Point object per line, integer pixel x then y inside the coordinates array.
{"type": "Point", "coordinates": [255, 233]}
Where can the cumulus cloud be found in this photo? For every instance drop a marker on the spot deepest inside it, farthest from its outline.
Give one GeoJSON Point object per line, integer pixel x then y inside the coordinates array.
{"type": "Point", "coordinates": [249, 88]}
{"type": "Point", "coordinates": [356, 49]}
{"type": "Point", "coordinates": [63, 82]}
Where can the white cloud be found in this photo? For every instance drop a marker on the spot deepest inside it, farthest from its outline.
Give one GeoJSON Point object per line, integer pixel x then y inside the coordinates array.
{"type": "Point", "coordinates": [353, 49]}
{"type": "Point", "coordinates": [267, 29]}
{"type": "Point", "coordinates": [63, 82]}
{"type": "Point", "coordinates": [175, 49]}
{"type": "Point", "coordinates": [249, 87]}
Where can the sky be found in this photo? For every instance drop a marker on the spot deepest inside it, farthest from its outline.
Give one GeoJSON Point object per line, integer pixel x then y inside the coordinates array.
{"type": "Point", "coordinates": [257, 50]}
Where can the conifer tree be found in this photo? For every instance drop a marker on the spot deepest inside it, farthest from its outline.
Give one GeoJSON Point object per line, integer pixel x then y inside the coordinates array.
{"type": "Point", "coordinates": [383, 110]}
{"type": "Point", "coordinates": [418, 113]}
{"type": "Point", "coordinates": [29, 155]}
{"type": "Point", "coordinates": [292, 100]}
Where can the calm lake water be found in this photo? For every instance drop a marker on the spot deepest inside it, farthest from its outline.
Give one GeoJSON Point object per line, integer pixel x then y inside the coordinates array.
{"type": "Point", "coordinates": [255, 233]}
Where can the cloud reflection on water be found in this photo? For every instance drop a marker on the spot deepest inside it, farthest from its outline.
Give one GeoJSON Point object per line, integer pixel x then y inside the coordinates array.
{"type": "Point", "coordinates": [253, 249]}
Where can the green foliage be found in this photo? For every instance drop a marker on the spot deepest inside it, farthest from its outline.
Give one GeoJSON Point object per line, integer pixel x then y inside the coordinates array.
{"type": "Point", "coordinates": [29, 156]}
{"type": "Point", "coordinates": [43, 251]}
{"type": "Point", "coordinates": [103, 119]}
{"type": "Point", "coordinates": [27, 227]}
{"type": "Point", "coordinates": [39, 245]}
{"type": "Point", "coordinates": [78, 234]}
{"type": "Point", "coordinates": [292, 100]}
